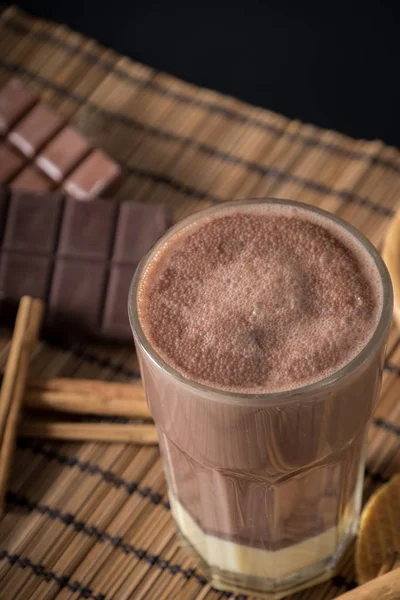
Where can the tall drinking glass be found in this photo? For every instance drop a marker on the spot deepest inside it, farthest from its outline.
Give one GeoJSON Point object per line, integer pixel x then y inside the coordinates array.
{"type": "Point", "coordinates": [265, 489]}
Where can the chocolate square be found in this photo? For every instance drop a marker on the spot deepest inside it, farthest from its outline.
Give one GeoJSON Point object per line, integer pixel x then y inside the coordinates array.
{"type": "Point", "coordinates": [32, 223]}
{"type": "Point", "coordinates": [15, 100]}
{"type": "Point", "coordinates": [63, 153]}
{"type": "Point", "coordinates": [22, 274]}
{"type": "Point", "coordinates": [35, 129]}
{"type": "Point", "coordinates": [87, 232]}
{"type": "Point", "coordinates": [115, 323]}
{"type": "Point", "coordinates": [77, 291]}
{"type": "Point", "coordinates": [4, 194]}
{"type": "Point", "coordinates": [32, 179]}
{"type": "Point", "coordinates": [10, 162]}
{"type": "Point", "coordinates": [97, 175]}
{"type": "Point", "coordinates": [139, 226]}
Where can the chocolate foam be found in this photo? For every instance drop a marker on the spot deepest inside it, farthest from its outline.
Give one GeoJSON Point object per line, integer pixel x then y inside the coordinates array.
{"type": "Point", "coordinates": [262, 298]}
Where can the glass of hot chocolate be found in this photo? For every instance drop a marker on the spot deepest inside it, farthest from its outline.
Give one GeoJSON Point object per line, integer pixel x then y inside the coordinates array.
{"type": "Point", "coordinates": [260, 328]}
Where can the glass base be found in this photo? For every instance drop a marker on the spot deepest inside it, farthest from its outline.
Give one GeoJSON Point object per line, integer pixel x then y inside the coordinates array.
{"type": "Point", "coordinates": [270, 572]}
{"type": "Point", "coordinates": [220, 583]}
{"type": "Point", "coordinates": [273, 589]}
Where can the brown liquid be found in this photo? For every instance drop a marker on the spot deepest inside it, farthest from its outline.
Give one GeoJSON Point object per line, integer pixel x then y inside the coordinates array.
{"type": "Point", "coordinates": [262, 299]}
{"type": "Point", "coordinates": [259, 300]}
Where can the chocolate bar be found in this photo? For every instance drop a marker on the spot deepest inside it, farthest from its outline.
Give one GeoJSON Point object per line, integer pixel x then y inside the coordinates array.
{"type": "Point", "coordinates": [78, 256]}
{"type": "Point", "coordinates": [40, 151]}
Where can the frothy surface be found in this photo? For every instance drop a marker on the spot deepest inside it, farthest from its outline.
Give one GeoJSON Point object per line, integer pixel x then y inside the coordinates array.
{"type": "Point", "coordinates": [260, 299]}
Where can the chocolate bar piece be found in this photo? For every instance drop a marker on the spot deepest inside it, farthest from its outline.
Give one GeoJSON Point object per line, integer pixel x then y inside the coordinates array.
{"type": "Point", "coordinates": [63, 153]}
{"type": "Point", "coordinates": [78, 256]}
{"type": "Point", "coordinates": [35, 129]}
{"type": "Point", "coordinates": [39, 151]}
{"type": "Point", "coordinates": [97, 175]}
{"type": "Point", "coordinates": [15, 100]}
{"type": "Point", "coordinates": [32, 179]}
{"type": "Point", "coordinates": [10, 162]}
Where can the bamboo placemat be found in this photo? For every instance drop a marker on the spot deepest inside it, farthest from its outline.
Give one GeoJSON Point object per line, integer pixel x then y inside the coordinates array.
{"type": "Point", "coordinates": [93, 520]}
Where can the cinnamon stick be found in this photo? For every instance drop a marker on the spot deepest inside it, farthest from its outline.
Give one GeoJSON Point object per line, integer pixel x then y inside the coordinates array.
{"type": "Point", "coordinates": [87, 397]}
{"type": "Point", "coordinates": [27, 327]}
{"type": "Point", "coordinates": [100, 432]}
{"type": "Point", "coordinates": [385, 587]}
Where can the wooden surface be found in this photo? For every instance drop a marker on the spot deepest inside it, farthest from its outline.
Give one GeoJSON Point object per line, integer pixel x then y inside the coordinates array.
{"type": "Point", "coordinates": [93, 520]}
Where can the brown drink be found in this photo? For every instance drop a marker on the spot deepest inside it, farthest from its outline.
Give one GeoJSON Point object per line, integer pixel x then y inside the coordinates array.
{"type": "Point", "coordinates": [260, 328]}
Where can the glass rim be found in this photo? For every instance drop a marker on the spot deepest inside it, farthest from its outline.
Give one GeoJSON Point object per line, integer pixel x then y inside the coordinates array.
{"type": "Point", "coordinates": [258, 398]}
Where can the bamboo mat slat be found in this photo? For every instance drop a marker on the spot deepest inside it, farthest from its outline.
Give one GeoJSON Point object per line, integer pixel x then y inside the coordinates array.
{"type": "Point", "coordinates": [93, 520]}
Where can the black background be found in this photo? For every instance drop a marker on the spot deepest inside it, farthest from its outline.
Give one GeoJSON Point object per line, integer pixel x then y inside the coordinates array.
{"type": "Point", "coordinates": [333, 64]}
